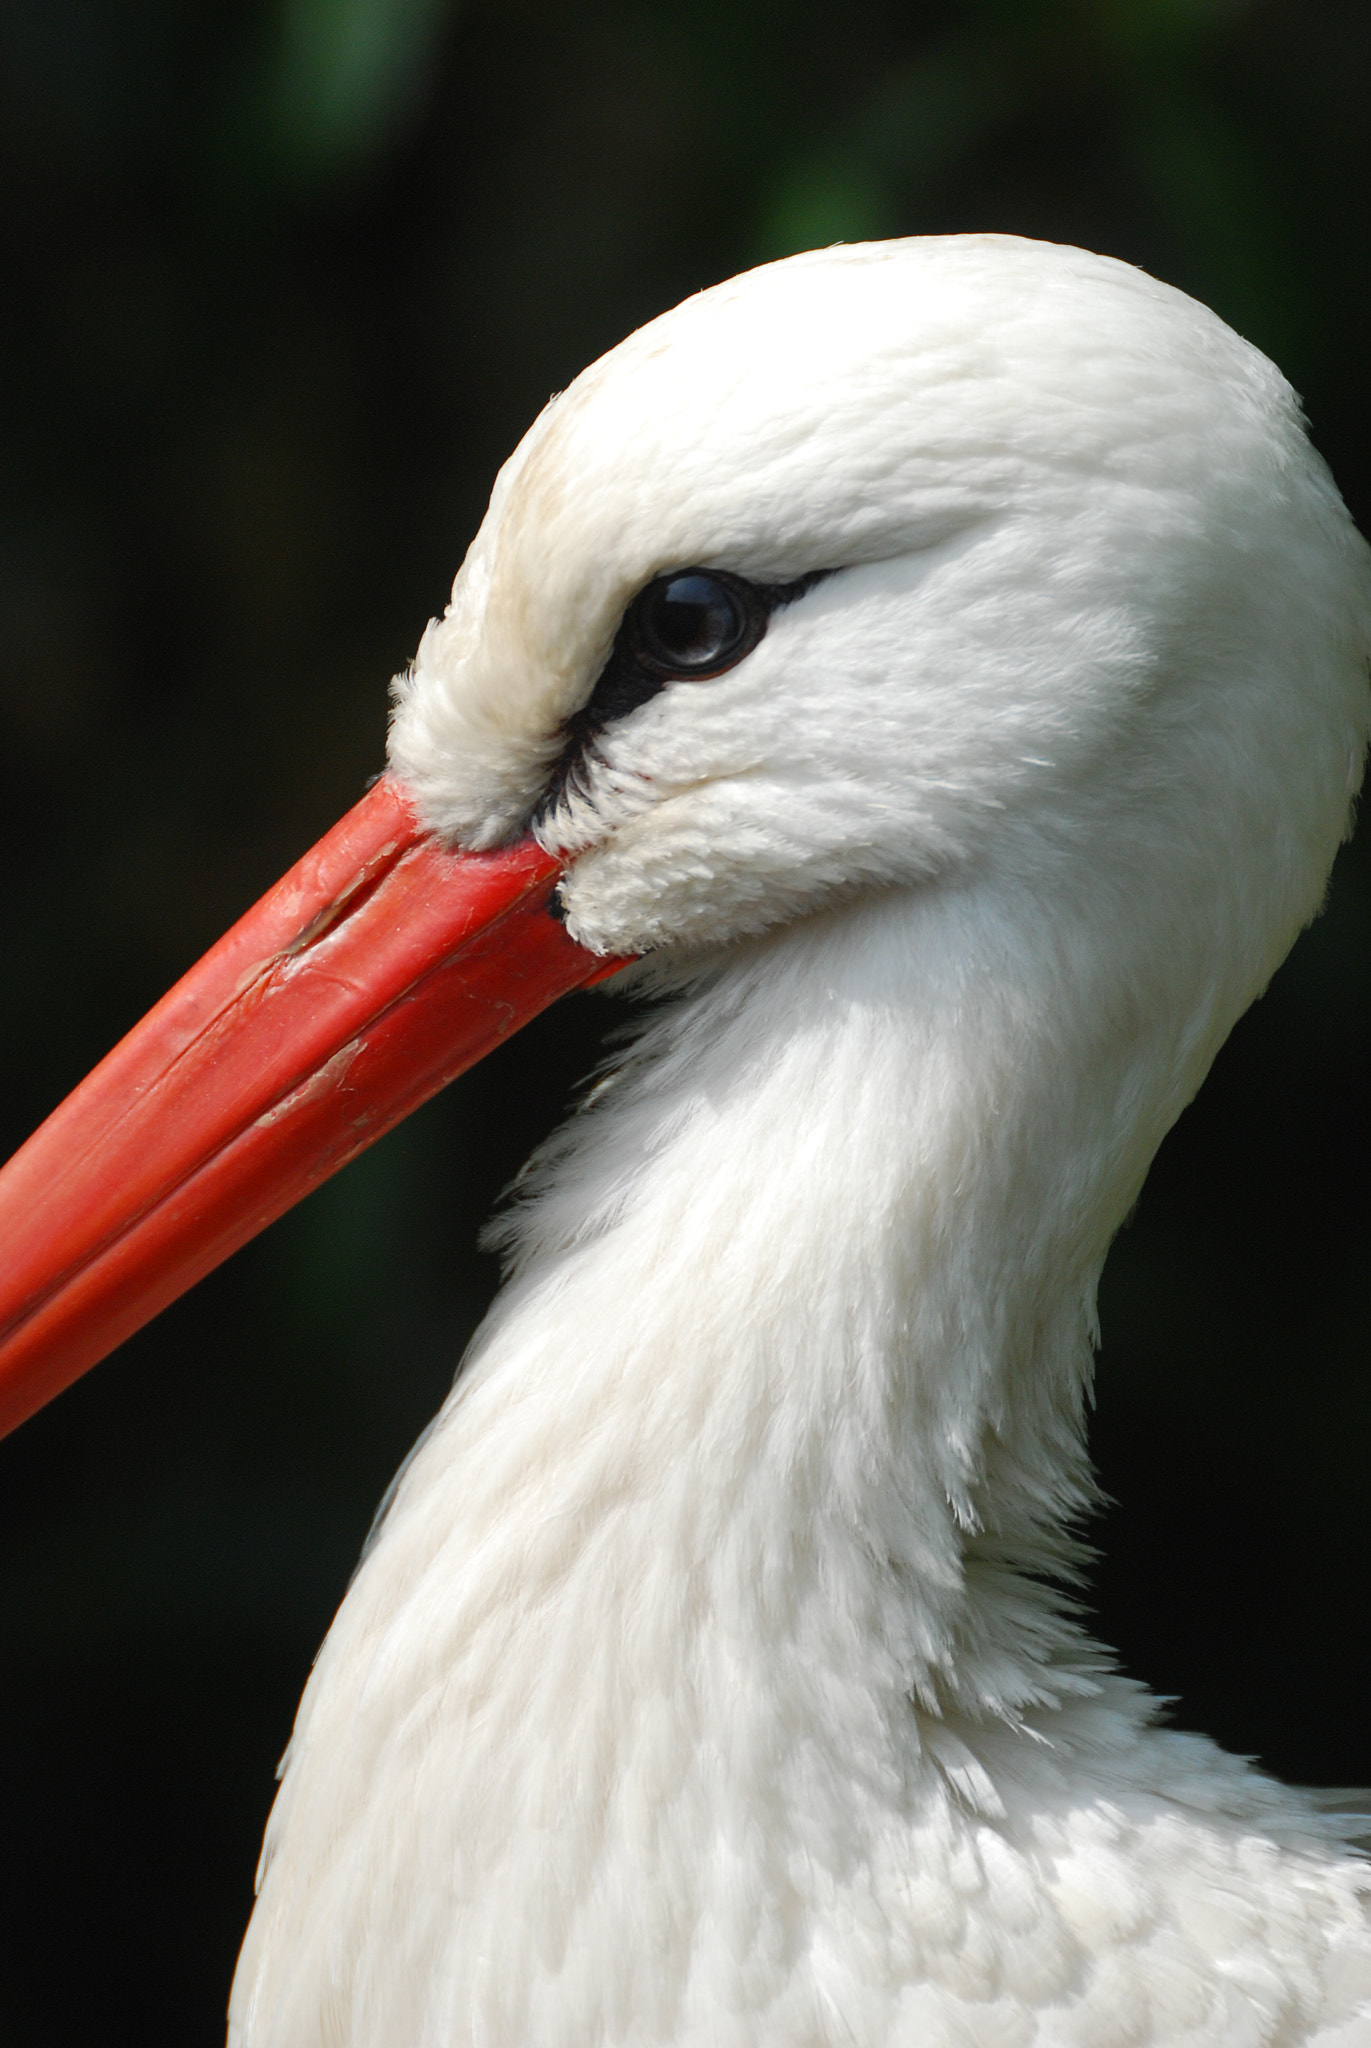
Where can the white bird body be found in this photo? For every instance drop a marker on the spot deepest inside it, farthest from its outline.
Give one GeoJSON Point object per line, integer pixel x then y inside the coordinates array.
{"type": "Point", "coordinates": [709, 1680]}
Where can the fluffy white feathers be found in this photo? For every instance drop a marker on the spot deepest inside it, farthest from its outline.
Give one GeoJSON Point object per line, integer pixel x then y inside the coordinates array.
{"type": "Point", "coordinates": [706, 1684]}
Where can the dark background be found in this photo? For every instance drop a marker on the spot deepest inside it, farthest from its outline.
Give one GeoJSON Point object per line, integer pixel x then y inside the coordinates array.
{"type": "Point", "coordinates": [282, 283]}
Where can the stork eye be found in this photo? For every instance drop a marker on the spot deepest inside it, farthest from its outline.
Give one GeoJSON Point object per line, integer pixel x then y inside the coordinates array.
{"type": "Point", "coordinates": [697, 622]}
{"type": "Point", "coordinates": [688, 625]}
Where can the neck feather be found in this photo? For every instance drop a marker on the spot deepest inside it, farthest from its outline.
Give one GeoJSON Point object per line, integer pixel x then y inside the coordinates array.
{"type": "Point", "coordinates": [802, 1307]}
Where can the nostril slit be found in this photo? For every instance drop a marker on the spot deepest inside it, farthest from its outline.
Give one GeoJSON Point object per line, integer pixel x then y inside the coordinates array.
{"type": "Point", "coordinates": [364, 886]}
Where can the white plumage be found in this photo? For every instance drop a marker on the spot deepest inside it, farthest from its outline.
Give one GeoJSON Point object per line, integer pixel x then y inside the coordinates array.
{"type": "Point", "coordinates": [707, 1683]}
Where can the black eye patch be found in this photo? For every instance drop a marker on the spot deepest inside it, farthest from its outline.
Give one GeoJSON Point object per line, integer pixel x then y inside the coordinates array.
{"type": "Point", "coordinates": [686, 626]}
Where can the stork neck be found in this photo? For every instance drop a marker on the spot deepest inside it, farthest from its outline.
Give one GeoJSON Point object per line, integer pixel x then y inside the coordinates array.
{"type": "Point", "coordinates": [812, 1283]}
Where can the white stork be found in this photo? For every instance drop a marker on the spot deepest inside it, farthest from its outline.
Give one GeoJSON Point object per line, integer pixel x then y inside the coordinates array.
{"type": "Point", "coordinates": [943, 666]}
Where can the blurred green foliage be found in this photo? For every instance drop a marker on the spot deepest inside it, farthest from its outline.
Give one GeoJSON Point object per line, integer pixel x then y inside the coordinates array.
{"type": "Point", "coordinates": [283, 282]}
{"type": "Point", "coordinates": [345, 77]}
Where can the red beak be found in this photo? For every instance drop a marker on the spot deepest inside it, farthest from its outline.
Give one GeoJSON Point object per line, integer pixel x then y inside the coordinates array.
{"type": "Point", "coordinates": [376, 971]}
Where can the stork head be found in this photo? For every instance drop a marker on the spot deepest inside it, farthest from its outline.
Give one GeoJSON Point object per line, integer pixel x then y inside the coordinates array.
{"type": "Point", "coordinates": [989, 573]}
{"type": "Point", "coordinates": [897, 564]}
